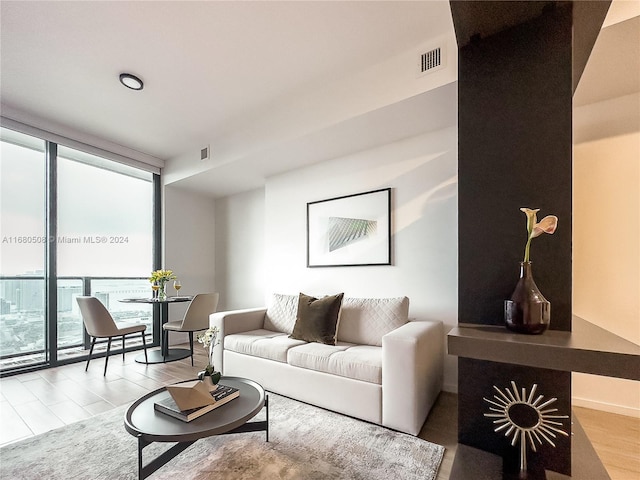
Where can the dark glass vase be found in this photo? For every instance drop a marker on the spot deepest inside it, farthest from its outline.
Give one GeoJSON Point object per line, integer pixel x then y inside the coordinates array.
{"type": "Point", "coordinates": [211, 378]}
{"type": "Point", "coordinates": [527, 311]}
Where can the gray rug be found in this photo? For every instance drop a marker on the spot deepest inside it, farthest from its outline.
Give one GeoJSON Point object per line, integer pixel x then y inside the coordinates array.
{"type": "Point", "coordinates": [305, 443]}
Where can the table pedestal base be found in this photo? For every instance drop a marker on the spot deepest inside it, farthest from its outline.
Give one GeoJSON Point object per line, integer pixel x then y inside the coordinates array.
{"type": "Point", "coordinates": [155, 356]}
{"type": "Point", "coordinates": [145, 470]}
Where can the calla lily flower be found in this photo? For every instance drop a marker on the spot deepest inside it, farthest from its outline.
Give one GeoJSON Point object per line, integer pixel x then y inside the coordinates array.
{"type": "Point", "coordinates": [532, 217]}
{"type": "Point", "coordinates": [534, 228]}
{"type": "Point", "coordinates": [547, 225]}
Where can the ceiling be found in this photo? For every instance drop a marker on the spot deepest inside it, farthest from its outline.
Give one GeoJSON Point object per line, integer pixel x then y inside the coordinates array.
{"type": "Point", "coordinates": [210, 66]}
{"type": "Point", "coordinates": [613, 69]}
{"type": "Point", "coordinates": [204, 64]}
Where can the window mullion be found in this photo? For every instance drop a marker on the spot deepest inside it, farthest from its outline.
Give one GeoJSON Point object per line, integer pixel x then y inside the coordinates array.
{"type": "Point", "coordinates": [51, 273]}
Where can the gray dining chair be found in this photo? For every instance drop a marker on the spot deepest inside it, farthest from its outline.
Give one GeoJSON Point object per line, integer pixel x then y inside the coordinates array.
{"type": "Point", "coordinates": [196, 318]}
{"type": "Point", "coordinates": [100, 324]}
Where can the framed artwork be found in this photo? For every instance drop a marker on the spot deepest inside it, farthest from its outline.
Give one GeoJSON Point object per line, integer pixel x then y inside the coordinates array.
{"type": "Point", "coordinates": [353, 230]}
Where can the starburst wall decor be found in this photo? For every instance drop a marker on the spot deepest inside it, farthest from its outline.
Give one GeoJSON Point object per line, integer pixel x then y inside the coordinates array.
{"type": "Point", "coordinates": [524, 419]}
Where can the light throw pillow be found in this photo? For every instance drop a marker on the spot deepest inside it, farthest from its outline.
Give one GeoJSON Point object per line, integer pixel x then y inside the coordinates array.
{"type": "Point", "coordinates": [281, 313]}
{"type": "Point", "coordinates": [317, 319]}
{"type": "Point", "coordinates": [365, 321]}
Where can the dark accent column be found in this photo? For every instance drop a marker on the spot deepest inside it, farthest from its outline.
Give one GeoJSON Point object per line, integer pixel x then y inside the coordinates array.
{"type": "Point", "coordinates": [477, 431]}
{"type": "Point", "coordinates": [518, 66]}
{"type": "Point", "coordinates": [514, 140]}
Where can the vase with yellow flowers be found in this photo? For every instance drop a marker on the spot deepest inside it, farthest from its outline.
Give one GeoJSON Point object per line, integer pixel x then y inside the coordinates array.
{"type": "Point", "coordinates": [159, 279]}
{"type": "Point", "coordinates": [527, 311]}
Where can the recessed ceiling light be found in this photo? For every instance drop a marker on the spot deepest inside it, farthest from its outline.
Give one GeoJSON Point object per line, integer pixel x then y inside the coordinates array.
{"type": "Point", "coordinates": [131, 81]}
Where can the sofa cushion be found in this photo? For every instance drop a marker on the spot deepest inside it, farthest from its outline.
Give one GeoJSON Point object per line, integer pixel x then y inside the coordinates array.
{"type": "Point", "coordinates": [359, 362]}
{"type": "Point", "coordinates": [365, 321]}
{"type": "Point", "coordinates": [261, 343]}
{"type": "Point", "coordinates": [317, 319]}
{"type": "Point", "coordinates": [281, 313]}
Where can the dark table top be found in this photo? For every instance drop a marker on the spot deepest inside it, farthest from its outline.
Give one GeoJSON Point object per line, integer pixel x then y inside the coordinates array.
{"type": "Point", "coordinates": [142, 419]}
{"type": "Point", "coordinates": [186, 298]}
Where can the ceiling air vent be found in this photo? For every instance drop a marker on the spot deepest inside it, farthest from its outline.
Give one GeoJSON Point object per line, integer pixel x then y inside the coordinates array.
{"type": "Point", "coordinates": [430, 61]}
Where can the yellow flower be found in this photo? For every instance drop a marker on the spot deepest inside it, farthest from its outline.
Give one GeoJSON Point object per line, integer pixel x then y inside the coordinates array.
{"type": "Point", "coordinates": [162, 276]}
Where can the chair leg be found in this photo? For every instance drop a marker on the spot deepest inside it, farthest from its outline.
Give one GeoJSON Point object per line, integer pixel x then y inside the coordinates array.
{"type": "Point", "coordinates": [106, 358]}
{"type": "Point", "coordinates": [93, 342]}
{"type": "Point", "coordinates": [144, 345]}
{"type": "Point", "coordinates": [123, 348]}
{"type": "Point", "coordinates": [165, 342]}
{"type": "Point", "coordinates": [191, 346]}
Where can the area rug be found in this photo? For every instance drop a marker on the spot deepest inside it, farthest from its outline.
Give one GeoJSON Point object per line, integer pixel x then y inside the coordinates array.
{"type": "Point", "coordinates": [305, 443]}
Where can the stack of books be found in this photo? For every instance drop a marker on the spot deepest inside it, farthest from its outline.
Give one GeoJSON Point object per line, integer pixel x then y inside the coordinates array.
{"type": "Point", "coordinates": [218, 397]}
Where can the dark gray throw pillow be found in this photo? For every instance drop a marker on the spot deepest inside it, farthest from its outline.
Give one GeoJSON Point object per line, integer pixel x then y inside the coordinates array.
{"type": "Point", "coordinates": [317, 318]}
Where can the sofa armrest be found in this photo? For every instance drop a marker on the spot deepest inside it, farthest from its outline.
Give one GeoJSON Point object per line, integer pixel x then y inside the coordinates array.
{"type": "Point", "coordinates": [234, 321]}
{"type": "Point", "coordinates": [412, 373]}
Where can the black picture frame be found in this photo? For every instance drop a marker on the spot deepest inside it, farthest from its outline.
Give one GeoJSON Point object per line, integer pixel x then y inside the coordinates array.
{"type": "Point", "coordinates": [349, 231]}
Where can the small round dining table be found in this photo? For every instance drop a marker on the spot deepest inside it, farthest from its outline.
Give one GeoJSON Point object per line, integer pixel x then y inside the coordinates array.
{"type": "Point", "coordinates": [164, 354]}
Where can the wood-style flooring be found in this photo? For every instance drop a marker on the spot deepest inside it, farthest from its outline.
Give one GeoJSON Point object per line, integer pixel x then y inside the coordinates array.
{"type": "Point", "coordinates": [33, 403]}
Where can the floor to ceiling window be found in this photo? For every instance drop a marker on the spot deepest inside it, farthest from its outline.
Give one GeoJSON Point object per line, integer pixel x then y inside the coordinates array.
{"type": "Point", "coordinates": [23, 326]}
{"type": "Point", "coordinates": [103, 213]}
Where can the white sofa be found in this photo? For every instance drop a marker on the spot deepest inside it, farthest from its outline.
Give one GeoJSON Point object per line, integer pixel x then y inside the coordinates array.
{"type": "Point", "coordinates": [383, 369]}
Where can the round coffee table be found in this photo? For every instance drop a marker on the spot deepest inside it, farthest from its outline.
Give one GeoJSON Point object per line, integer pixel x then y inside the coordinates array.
{"type": "Point", "coordinates": [149, 426]}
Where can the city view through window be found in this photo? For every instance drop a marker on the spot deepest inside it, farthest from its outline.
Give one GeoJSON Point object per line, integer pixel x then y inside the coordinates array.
{"type": "Point", "coordinates": [103, 246]}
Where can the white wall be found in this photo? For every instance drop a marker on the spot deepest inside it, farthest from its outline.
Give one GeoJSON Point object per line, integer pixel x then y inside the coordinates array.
{"type": "Point", "coordinates": [422, 171]}
{"type": "Point", "coordinates": [189, 247]}
{"type": "Point", "coordinates": [606, 240]}
{"type": "Point", "coordinates": [309, 110]}
{"type": "Point", "coordinates": [240, 250]}
{"type": "Point", "coordinates": [260, 236]}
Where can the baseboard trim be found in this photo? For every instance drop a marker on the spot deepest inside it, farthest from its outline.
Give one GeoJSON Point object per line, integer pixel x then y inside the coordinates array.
{"type": "Point", "coordinates": [606, 407]}
{"type": "Point", "coordinates": [450, 387]}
